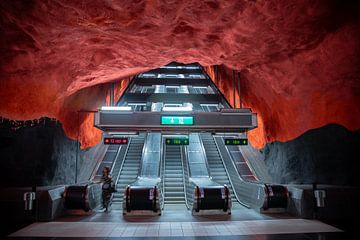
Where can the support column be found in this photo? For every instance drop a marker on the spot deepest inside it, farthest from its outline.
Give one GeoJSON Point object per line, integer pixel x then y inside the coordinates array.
{"type": "Point", "coordinates": [240, 95]}
{"type": "Point", "coordinates": [112, 94]}
{"type": "Point", "coordinates": [233, 85]}
{"type": "Point", "coordinates": [216, 75]}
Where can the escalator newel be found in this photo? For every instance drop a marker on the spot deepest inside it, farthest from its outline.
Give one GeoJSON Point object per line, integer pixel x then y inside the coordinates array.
{"type": "Point", "coordinates": [127, 198]}
{"type": "Point", "coordinates": [141, 200]}
{"type": "Point", "coordinates": [226, 191]}
{"type": "Point", "coordinates": [276, 196]}
{"type": "Point", "coordinates": [84, 197]}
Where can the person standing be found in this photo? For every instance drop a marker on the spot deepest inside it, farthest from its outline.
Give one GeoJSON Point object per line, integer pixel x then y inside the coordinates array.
{"type": "Point", "coordinates": [107, 188]}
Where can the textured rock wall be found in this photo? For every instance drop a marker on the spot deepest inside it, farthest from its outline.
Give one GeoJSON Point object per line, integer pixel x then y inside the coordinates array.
{"type": "Point", "coordinates": [327, 155]}
{"type": "Point", "coordinates": [299, 59]}
{"type": "Point", "coordinates": [41, 154]}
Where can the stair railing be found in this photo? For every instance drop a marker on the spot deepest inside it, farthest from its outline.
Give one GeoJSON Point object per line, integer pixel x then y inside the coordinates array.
{"type": "Point", "coordinates": [184, 180]}
{"type": "Point", "coordinates": [162, 176]}
{"type": "Point", "coordinates": [123, 160]}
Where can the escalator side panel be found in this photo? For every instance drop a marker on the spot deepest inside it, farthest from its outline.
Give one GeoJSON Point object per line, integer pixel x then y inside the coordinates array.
{"type": "Point", "coordinates": [251, 194]}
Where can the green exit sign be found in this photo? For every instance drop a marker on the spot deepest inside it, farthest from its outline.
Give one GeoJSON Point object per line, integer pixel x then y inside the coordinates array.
{"type": "Point", "coordinates": [177, 141]}
{"type": "Point", "coordinates": [177, 120]}
{"type": "Point", "coordinates": [236, 141]}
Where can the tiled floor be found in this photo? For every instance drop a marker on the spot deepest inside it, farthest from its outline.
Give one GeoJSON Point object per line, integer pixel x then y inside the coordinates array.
{"type": "Point", "coordinates": [173, 229]}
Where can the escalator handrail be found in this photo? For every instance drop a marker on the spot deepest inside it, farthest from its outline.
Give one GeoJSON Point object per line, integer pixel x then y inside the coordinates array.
{"type": "Point", "coordinates": [116, 158]}
{"type": "Point", "coordinates": [183, 175]}
{"type": "Point", "coordinates": [162, 176]}
{"type": "Point", "coordinates": [123, 160]}
{"type": "Point", "coordinates": [227, 172]}
{"type": "Point", "coordinates": [98, 163]}
{"type": "Point", "coordinates": [140, 173]}
{"type": "Point", "coordinates": [188, 185]}
{"type": "Point", "coordinates": [238, 175]}
{"type": "Point", "coordinates": [233, 163]}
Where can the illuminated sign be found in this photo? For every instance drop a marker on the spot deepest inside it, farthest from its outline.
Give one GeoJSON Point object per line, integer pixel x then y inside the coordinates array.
{"type": "Point", "coordinates": [236, 141]}
{"type": "Point", "coordinates": [111, 141]}
{"type": "Point", "coordinates": [177, 120]}
{"type": "Point", "coordinates": [177, 141]}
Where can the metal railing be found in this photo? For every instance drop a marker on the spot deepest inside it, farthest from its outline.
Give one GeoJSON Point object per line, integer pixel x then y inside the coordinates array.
{"type": "Point", "coordinates": [229, 176]}
{"type": "Point", "coordinates": [142, 155]}
{"type": "Point", "coordinates": [116, 158]}
{"type": "Point", "coordinates": [184, 180]}
{"type": "Point", "coordinates": [162, 176]}
{"type": "Point", "coordinates": [248, 193]}
{"type": "Point", "coordinates": [188, 186]}
{"type": "Point", "coordinates": [98, 163]}
{"type": "Point", "coordinates": [123, 160]}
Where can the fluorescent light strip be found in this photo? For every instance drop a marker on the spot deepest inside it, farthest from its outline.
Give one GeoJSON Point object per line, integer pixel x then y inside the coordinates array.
{"type": "Point", "coordinates": [116, 108]}
{"type": "Point", "coordinates": [177, 109]}
{"type": "Point", "coordinates": [180, 67]}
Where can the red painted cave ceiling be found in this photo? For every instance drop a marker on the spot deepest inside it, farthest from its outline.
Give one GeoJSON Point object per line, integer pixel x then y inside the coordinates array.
{"type": "Point", "coordinates": [299, 60]}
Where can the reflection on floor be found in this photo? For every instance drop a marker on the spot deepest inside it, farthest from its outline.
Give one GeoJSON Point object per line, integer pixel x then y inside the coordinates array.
{"type": "Point", "coordinates": [175, 222]}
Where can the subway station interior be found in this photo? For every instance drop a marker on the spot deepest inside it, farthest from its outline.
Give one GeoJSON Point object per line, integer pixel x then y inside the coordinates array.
{"type": "Point", "coordinates": [179, 119]}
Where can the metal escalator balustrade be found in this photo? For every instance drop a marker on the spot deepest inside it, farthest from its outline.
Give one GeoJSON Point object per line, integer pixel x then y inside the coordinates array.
{"type": "Point", "coordinates": [142, 197]}
{"type": "Point", "coordinates": [173, 176]}
{"type": "Point", "coordinates": [129, 170]}
{"type": "Point", "coordinates": [188, 186]}
{"type": "Point", "coordinates": [108, 161]}
{"type": "Point", "coordinates": [252, 193]}
{"type": "Point", "coordinates": [209, 197]}
{"type": "Point", "coordinates": [242, 165]}
{"type": "Point", "coordinates": [215, 163]}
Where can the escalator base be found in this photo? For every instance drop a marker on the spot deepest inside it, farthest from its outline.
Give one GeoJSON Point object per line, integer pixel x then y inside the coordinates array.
{"type": "Point", "coordinates": [273, 210]}
{"type": "Point", "coordinates": [210, 212]}
{"type": "Point", "coordinates": [141, 213]}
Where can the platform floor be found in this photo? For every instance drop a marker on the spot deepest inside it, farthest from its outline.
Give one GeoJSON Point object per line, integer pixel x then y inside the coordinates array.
{"type": "Point", "coordinates": [167, 229]}
{"type": "Point", "coordinates": [176, 221]}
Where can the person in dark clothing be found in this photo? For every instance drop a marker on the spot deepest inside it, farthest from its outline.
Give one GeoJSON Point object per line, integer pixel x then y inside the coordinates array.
{"type": "Point", "coordinates": [107, 188]}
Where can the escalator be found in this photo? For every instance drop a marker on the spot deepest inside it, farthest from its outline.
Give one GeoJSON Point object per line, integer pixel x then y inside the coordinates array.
{"type": "Point", "coordinates": [129, 170]}
{"type": "Point", "coordinates": [215, 163]}
{"type": "Point", "coordinates": [243, 167]}
{"type": "Point", "coordinates": [108, 160]}
{"type": "Point", "coordinates": [173, 176]}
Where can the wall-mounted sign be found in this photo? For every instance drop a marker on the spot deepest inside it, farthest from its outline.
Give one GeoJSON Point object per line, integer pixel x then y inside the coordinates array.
{"type": "Point", "coordinates": [236, 141]}
{"type": "Point", "coordinates": [177, 120]}
{"type": "Point", "coordinates": [177, 141]}
{"type": "Point", "coordinates": [111, 141]}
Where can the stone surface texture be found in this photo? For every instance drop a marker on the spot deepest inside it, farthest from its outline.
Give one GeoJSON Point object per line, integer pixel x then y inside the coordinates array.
{"type": "Point", "coordinates": [299, 60]}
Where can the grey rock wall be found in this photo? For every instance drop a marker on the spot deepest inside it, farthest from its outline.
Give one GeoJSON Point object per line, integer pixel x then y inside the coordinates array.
{"type": "Point", "coordinates": [328, 155]}
{"type": "Point", "coordinates": [40, 154]}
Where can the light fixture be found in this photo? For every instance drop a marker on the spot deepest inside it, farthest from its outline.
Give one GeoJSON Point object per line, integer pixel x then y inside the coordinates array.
{"type": "Point", "coordinates": [116, 108]}
{"type": "Point", "coordinates": [186, 107]}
